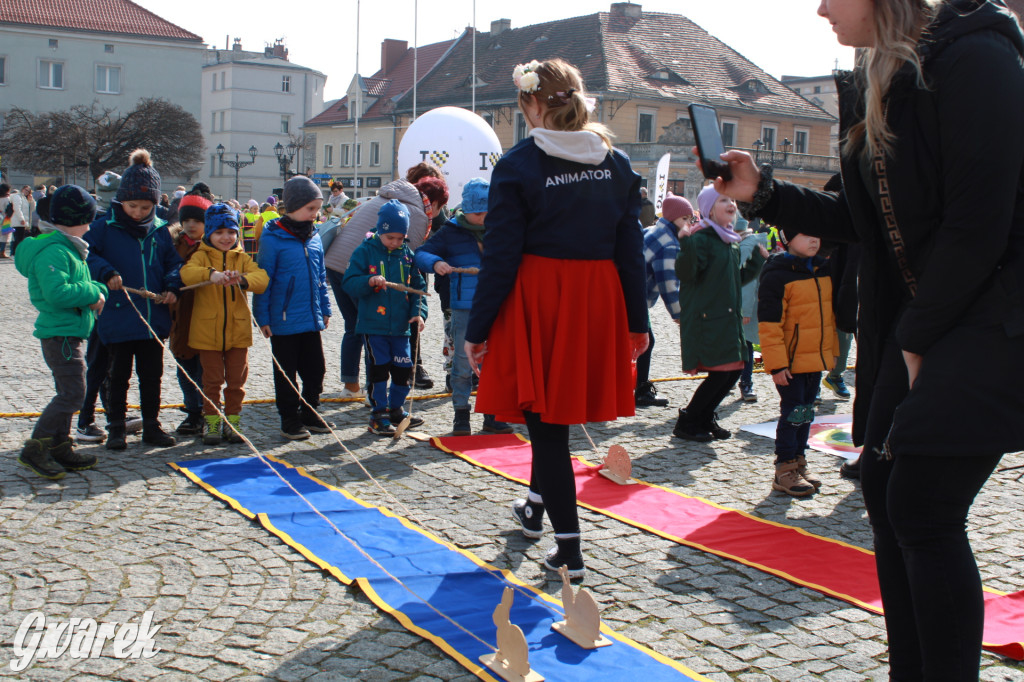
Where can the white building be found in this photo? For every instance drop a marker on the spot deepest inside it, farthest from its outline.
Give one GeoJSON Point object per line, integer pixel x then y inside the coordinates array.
{"type": "Point", "coordinates": [54, 55]}
{"type": "Point", "coordinates": [819, 90]}
{"type": "Point", "coordinates": [256, 99]}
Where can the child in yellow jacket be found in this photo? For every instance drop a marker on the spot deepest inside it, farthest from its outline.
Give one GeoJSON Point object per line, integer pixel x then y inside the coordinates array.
{"type": "Point", "coordinates": [221, 327]}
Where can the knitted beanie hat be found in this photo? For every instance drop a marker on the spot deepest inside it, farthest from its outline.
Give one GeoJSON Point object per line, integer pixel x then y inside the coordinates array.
{"type": "Point", "coordinates": [71, 206]}
{"type": "Point", "coordinates": [675, 207]}
{"type": "Point", "coordinates": [393, 218]}
{"type": "Point", "coordinates": [299, 191]}
{"type": "Point", "coordinates": [220, 216]}
{"type": "Point", "coordinates": [272, 200]}
{"type": "Point", "coordinates": [193, 207]}
{"type": "Point", "coordinates": [140, 181]}
{"type": "Point", "coordinates": [474, 196]}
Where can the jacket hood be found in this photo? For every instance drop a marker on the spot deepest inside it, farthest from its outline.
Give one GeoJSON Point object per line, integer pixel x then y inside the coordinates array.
{"type": "Point", "coordinates": [581, 146]}
{"type": "Point", "coordinates": [958, 18]}
{"type": "Point", "coordinates": [31, 248]}
{"type": "Point", "coordinates": [787, 261]}
{"type": "Point", "coordinates": [403, 190]}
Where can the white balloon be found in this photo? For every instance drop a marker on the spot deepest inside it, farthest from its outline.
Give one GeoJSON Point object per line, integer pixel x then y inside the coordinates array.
{"type": "Point", "coordinates": [455, 140]}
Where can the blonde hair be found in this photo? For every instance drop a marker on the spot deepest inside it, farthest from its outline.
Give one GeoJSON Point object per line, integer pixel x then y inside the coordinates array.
{"type": "Point", "coordinates": [561, 90]}
{"type": "Point", "coordinates": [898, 28]}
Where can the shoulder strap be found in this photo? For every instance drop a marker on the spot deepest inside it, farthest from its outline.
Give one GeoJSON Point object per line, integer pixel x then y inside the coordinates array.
{"type": "Point", "coordinates": [894, 238]}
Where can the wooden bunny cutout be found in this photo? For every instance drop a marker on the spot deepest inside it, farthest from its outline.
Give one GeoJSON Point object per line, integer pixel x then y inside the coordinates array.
{"type": "Point", "coordinates": [512, 660]}
{"type": "Point", "coordinates": [582, 622]}
{"type": "Point", "coordinates": [617, 466]}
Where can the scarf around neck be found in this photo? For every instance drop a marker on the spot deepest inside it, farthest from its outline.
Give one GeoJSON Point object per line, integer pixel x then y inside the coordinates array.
{"type": "Point", "coordinates": [302, 231]}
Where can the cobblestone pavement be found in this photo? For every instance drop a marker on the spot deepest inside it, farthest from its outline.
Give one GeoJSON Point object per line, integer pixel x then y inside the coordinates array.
{"type": "Point", "coordinates": [233, 602]}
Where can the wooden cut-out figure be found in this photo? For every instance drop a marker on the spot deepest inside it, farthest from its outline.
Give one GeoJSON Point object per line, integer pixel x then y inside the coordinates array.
{"type": "Point", "coordinates": [582, 622]}
{"type": "Point", "coordinates": [512, 660]}
{"type": "Point", "coordinates": [617, 466]}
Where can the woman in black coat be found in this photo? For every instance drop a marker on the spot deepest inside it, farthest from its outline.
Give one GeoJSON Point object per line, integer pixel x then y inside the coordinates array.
{"type": "Point", "coordinates": [935, 197]}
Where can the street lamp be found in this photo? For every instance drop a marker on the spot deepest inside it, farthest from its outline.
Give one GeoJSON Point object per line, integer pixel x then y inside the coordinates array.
{"type": "Point", "coordinates": [786, 144]}
{"type": "Point", "coordinates": [237, 164]}
{"type": "Point", "coordinates": [285, 155]}
{"type": "Point", "coordinates": [757, 150]}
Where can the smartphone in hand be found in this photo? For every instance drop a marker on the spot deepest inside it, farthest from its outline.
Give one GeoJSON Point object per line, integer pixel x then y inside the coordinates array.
{"type": "Point", "coordinates": [709, 141]}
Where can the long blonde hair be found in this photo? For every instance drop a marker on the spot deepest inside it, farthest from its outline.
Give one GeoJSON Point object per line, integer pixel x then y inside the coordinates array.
{"type": "Point", "coordinates": [561, 89]}
{"type": "Point", "coordinates": [898, 28]}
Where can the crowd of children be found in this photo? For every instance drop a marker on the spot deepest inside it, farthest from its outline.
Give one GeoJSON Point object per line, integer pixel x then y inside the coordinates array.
{"type": "Point", "coordinates": [703, 266]}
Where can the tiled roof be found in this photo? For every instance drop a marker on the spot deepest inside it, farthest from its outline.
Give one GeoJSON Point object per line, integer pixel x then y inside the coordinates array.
{"type": "Point", "coordinates": [385, 86]}
{"type": "Point", "coordinates": [616, 55]}
{"type": "Point", "coordinates": [100, 16]}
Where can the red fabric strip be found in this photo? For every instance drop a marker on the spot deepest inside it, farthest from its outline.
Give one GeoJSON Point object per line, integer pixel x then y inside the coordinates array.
{"type": "Point", "coordinates": [829, 566]}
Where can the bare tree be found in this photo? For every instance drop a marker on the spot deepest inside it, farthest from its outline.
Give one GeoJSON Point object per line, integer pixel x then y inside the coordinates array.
{"type": "Point", "coordinates": [96, 138]}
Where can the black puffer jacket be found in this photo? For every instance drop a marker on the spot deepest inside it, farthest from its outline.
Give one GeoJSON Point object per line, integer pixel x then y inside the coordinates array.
{"type": "Point", "coordinates": [955, 184]}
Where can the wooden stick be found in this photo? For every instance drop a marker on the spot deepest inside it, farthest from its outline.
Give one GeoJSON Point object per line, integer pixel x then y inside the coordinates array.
{"type": "Point", "coordinates": [467, 271]}
{"type": "Point", "coordinates": [143, 293]}
{"type": "Point", "coordinates": [401, 287]}
{"type": "Point", "coordinates": [196, 286]}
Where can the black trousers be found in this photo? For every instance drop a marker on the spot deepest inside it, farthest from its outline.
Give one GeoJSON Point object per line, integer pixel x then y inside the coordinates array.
{"type": "Point", "coordinates": [551, 474]}
{"type": "Point", "coordinates": [643, 363]}
{"type": "Point", "coordinates": [148, 356]}
{"type": "Point", "coordinates": [709, 395]}
{"type": "Point", "coordinates": [918, 506]}
{"type": "Point", "coordinates": [97, 361]}
{"type": "Point", "coordinates": [302, 355]}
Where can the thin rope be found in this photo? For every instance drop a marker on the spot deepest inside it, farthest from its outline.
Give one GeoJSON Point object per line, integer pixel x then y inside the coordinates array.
{"type": "Point", "coordinates": [316, 511]}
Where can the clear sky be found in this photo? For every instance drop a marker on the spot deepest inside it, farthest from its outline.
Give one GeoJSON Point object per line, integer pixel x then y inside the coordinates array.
{"type": "Point", "coordinates": [781, 36]}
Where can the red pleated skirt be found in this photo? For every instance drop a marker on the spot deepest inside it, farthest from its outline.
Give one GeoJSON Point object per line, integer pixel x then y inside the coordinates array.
{"type": "Point", "coordinates": [560, 346]}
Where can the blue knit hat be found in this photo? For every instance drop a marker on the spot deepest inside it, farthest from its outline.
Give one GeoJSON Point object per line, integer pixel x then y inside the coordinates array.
{"type": "Point", "coordinates": [393, 218]}
{"type": "Point", "coordinates": [71, 206]}
{"type": "Point", "coordinates": [474, 196]}
{"type": "Point", "coordinates": [220, 216]}
{"type": "Point", "coordinates": [140, 181]}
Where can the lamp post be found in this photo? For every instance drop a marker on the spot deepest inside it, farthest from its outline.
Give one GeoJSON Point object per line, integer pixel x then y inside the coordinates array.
{"type": "Point", "coordinates": [285, 155]}
{"type": "Point", "coordinates": [786, 144]}
{"type": "Point", "coordinates": [757, 150]}
{"type": "Point", "coordinates": [237, 164]}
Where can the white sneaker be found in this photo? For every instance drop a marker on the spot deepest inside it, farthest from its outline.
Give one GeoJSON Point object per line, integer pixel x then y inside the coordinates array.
{"type": "Point", "coordinates": [345, 393]}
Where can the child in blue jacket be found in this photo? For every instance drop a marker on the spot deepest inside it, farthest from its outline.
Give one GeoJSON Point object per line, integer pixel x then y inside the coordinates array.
{"type": "Point", "coordinates": [459, 244]}
{"type": "Point", "coordinates": [385, 313]}
{"type": "Point", "coordinates": [294, 308]}
{"type": "Point", "coordinates": [129, 246]}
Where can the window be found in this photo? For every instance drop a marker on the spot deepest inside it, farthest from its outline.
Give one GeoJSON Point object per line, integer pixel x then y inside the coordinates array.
{"type": "Point", "coordinates": [801, 137]}
{"type": "Point", "coordinates": [213, 122]}
{"type": "Point", "coordinates": [108, 79]}
{"type": "Point", "coordinates": [51, 75]}
{"type": "Point", "coordinates": [489, 117]}
{"type": "Point", "coordinates": [223, 78]}
{"type": "Point", "coordinates": [328, 155]}
{"type": "Point", "coordinates": [359, 154]}
{"type": "Point", "coordinates": [375, 153]}
{"type": "Point", "coordinates": [53, 43]}
{"type": "Point", "coordinates": [109, 49]}
{"type": "Point", "coordinates": [796, 90]}
{"type": "Point", "coordinates": [729, 132]}
{"type": "Point", "coordinates": [3, 70]}
{"type": "Point", "coordinates": [645, 126]}
{"type": "Point", "coordinates": [768, 135]}
{"type": "Point", "coordinates": [222, 120]}
{"type": "Point", "coordinates": [520, 127]}
{"type": "Point", "coordinates": [286, 83]}
{"type": "Point", "coordinates": [817, 89]}
{"type": "Point", "coordinates": [286, 124]}
{"type": "Point", "coordinates": [343, 151]}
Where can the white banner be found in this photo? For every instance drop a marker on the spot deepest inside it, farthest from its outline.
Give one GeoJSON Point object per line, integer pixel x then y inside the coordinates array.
{"type": "Point", "coordinates": [661, 183]}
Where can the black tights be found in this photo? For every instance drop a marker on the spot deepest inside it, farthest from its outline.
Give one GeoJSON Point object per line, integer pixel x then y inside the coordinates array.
{"type": "Point", "coordinates": [918, 506]}
{"type": "Point", "coordinates": [551, 474]}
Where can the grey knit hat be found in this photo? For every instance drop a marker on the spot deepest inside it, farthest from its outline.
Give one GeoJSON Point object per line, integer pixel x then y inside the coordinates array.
{"type": "Point", "coordinates": [299, 191]}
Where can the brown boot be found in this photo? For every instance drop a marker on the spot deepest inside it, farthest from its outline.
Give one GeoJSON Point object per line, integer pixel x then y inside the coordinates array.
{"type": "Point", "coordinates": [788, 480]}
{"type": "Point", "coordinates": [808, 476]}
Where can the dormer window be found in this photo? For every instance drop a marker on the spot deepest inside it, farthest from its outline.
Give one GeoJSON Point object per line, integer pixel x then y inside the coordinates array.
{"type": "Point", "coordinates": [469, 82]}
{"type": "Point", "coordinates": [661, 75]}
{"type": "Point", "coordinates": [753, 87]}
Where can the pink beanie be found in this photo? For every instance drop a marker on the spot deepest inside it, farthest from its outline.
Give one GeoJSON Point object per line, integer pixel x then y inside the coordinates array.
{"type": "Point", "coordinates": [675, 207]}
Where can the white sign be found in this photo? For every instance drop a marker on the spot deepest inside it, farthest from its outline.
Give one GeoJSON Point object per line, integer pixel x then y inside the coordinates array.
{"type": "Point", "coordinates": [81, 638]}
{"type": "Point", "coordinates": [455, 140]}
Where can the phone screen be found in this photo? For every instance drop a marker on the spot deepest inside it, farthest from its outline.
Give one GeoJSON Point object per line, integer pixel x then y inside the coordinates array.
{"type": "Point", "coordinates": [709, 141]}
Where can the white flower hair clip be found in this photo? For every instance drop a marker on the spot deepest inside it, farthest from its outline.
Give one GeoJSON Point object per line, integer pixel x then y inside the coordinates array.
{"type": "Point", "coordinates": [526, 78]}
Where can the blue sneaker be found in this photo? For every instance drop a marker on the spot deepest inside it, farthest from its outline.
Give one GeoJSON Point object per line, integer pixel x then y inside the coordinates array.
{"type": "Point", "coordinates": [837, 386]}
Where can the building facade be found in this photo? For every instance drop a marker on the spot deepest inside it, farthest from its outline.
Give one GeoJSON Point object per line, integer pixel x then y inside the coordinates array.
{"type": "Point", "coordinates": [643, 68]}
{"type": "Point", "coordinates": [361, 155]}
{"type": "Point", "coordinates": [822, 92]}
{"type": "Point", "coordinates": [113, 52]}
{"type": "Point", "coordinates": [257, 99]}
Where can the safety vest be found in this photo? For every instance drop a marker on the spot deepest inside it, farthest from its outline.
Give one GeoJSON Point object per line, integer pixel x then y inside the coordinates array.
{"type": "Point", "coordinates": [249, 225]}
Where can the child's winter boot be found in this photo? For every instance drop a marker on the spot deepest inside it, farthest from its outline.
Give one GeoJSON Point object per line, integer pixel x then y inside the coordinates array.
{"type": "Point", "coordinates": [36, 456]}
{"type": "Point", "coordinates": [233, 435]}
{"type": "Point", "coordinates": [64, 454]}
{"type": "Point", "coordinates": [212, 434]}
{"type": "Point", "coordinates": [788, 480]}
{"type": "Point", "coordinates": [460, 425]}
{"type": "Point", "coordinates": [492, 425]}
{"type": "Point", "coordinates": [808, 476]}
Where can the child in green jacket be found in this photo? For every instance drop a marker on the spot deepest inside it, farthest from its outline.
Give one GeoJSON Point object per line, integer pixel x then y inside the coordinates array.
{"type": "Point", "coordinates": [68, 300]}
